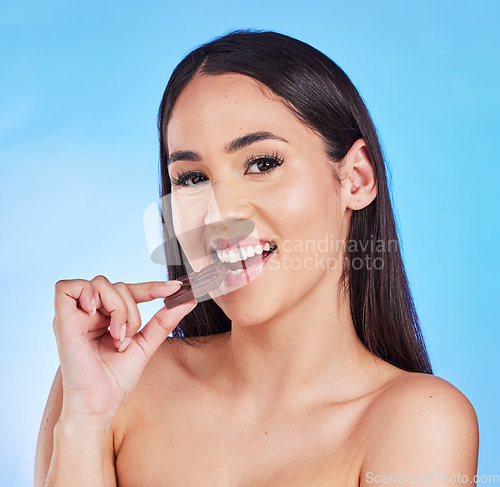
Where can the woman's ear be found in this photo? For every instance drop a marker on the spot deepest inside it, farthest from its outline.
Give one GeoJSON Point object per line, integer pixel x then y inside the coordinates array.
{"type": "Point", "coordinates": [358, 182]}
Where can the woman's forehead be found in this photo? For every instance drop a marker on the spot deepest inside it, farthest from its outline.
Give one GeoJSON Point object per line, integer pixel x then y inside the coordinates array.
{"type": "Point", "coordinates": [232, 94]}
{"type": "Point", "coordinates": [223, 107]}
{"type": "Point", "coordinates": [226, 84]}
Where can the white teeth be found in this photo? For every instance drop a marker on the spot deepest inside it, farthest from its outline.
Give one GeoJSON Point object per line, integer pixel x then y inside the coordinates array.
{"type": "Point", "coordinates": [236, 272]}
{"type": "Point", "coordinates": [243, 253]}
{"type": "Point", "coordinates": [232, 256]}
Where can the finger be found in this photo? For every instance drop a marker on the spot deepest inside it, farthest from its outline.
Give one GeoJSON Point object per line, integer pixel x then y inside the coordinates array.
{"type": "Point", "coordinates": [107, 297]}
{"type": "Point", "coordinates": [133, 316]}
{"type": "Point", "coordinates": [147, 291]}
{"type": "Point", "coordinates": [97, 332]}
{"type": "Point", "coordinates": [71, 293]}
{"type": "Point", "coordinates": [159, 327]}
{"type": "Point", "coordinates": [73, 299]}
{"type": "Point", "coordinates": [141, 292]}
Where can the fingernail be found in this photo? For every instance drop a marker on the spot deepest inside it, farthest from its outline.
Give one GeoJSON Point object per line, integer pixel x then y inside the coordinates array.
{"type": "Point", "coordinates": [123, 330]}
{"type": "Point", "coordinates": [123, 345]}
{"type": "Point", "coordinates": [92, 305]}
{"type": "Point", "coordinates": [173, 283]}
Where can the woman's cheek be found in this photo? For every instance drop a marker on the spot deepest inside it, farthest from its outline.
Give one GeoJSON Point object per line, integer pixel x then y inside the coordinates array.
{"type": "Point", "coordinates": [189, 227]}
{"type": "Point", "coordinates": [298, 201]}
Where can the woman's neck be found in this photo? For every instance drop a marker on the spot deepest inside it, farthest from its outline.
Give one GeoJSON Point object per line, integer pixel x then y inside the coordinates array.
{"type": "Point", "coordinates": [309, 350]}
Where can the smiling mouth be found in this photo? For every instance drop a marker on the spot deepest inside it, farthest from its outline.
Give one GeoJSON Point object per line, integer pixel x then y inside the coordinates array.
{"type": "Point", "coordinates": [236, 259]}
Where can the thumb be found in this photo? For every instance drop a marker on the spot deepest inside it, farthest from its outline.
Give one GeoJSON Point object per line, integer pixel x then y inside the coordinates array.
{"type": "Point", "coordinates": [159, 327]}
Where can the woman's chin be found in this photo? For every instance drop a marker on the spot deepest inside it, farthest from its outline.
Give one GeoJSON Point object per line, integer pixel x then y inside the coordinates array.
{"type": "Point", "coordinates": [244, 312]}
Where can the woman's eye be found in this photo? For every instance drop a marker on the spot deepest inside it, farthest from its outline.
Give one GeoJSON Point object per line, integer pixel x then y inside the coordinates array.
{"type": "Point", "coordinates": [262, 164]}
{"type": "Point", "coordinates": [188, 179]}
{"type": "Point", "coordinates": [253, 165]}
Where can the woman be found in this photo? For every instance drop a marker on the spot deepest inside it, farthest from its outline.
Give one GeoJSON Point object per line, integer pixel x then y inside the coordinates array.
{"type": "Point", "coordinates": [314, 372]}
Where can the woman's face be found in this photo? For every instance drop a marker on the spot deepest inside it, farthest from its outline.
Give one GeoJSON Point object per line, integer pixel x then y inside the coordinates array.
{"type": "Point", "coordinates": [282, 181]}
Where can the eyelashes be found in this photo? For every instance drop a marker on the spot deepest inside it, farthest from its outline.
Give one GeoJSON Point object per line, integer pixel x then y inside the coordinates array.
{"type": "Point", "coordinates": [270, 162]}
{"type": "Point", "coordinates": [184, 177]}
{"type": "Point", "coordinates": [264, 164]}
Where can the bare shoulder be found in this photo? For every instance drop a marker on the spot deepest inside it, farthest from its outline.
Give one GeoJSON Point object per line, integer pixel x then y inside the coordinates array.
{"type": "Point", "coordinates": [426, 393]}
{"type": "Point", "coordinates": [419, 424]}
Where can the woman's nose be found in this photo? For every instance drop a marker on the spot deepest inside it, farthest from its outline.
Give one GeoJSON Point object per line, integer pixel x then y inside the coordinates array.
{"type": "Point", "coordinates": [227, 201]}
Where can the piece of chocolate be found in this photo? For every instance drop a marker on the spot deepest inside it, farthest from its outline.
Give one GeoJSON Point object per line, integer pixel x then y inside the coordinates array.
{"type": "Point", "coordinates": [197, 284]}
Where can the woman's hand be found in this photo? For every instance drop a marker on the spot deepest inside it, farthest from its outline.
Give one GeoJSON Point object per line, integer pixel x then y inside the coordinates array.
{"type": "Point", "coordinates": [101, 367]}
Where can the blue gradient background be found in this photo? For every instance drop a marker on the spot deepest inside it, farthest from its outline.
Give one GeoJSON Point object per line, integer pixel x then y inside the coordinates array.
{"type": "Point", "coordinates": [80, 85]}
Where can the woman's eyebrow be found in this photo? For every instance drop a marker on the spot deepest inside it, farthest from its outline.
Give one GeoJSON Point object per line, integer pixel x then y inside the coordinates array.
{"type": "Point", "coordinates": [233, 146]}
{"type": "Point", "coordinates": [246, 140]}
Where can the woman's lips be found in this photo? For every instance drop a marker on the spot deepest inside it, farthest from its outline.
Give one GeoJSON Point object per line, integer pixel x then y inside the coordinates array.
{"type": "Point", "coordinates": [218, 276]}
{"type": "Point", "coordinates": [245, 273]}
{"type": "Point", "coordinates": [227, 242]}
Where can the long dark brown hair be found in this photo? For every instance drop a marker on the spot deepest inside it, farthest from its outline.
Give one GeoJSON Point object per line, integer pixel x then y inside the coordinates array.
{"type": "Point", "coordinates": [321, 95]}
